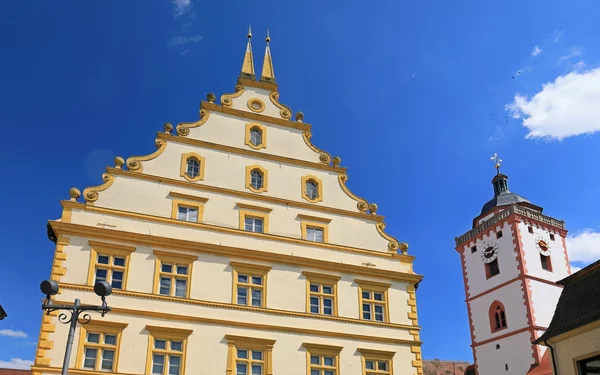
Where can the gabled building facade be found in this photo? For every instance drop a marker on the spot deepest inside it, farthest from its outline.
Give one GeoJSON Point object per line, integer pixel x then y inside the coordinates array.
{"type": "Point", "coordinates": [236, 247]}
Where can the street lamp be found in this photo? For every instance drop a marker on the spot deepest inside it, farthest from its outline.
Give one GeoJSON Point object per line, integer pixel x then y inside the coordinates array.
{"type": "Point", "coordinates": [50, 288]}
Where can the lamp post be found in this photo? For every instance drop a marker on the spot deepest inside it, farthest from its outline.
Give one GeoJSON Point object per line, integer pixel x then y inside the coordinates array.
{"type": "Point", "coordinates": [50, 288]}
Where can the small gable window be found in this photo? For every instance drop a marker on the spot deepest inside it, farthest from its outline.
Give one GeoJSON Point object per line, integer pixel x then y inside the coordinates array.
{"type": "Point", "coordinates": [497, 317]}
{"type": "Point", "coordinates": [256, 179]}
{"type": "Point", "coordinates": [256, 136]}
{"type": "Point", "coordinates": [312, 189]}
{"type": "Point", "coordinates": [193, 167]}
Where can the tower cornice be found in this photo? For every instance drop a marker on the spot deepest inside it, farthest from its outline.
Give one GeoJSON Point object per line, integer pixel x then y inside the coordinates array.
{"type": "Point", "coordinates": [513, 209]}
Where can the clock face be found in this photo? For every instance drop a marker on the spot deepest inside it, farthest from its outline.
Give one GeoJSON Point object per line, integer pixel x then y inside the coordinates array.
{"type": "Point", "coordinates": [543, 245]}
{"type": "Point", "coordinates": [489, 253]}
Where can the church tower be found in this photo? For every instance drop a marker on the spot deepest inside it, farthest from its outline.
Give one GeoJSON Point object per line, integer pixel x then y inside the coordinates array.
{"type": "Point", "coordinates": [510, 260]}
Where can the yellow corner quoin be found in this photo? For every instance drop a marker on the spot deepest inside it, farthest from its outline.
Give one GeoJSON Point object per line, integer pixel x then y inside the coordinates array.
{"type": "Point", "coordinates": [161, 251]}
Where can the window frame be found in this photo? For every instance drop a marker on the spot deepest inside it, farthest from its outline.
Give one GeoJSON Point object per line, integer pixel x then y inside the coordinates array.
{"type": "Point", "coordinates": [318, 182]}
{"type": "Point", "coordinates": [321, 278]}
{"type": "Point", "coordinates": [246, 210]}
{"type": "Point", "coordinates": [249, 343]}
{"type": "Point", "coordinates": [548, 260]}
{"type": "Point", "coordinates": [112, 250]}
{"type": "Point", "coordinates": [176, 259]}
{"type": "Point", "coordinates": [167, 334]}
{"type": "Point", "coordinates": [185, 200]}
{"type": "Point", "coordinates": [579, 361]}
{"type": "Point", "coordinates": [373, 286]}
{"type": "Point", "coordinates": [257, 101]}
{"type": "Point", "coordinates": [100, 327]}
{"type": "Point", "coordinates": [183, 169]}
{"type": "Point", "coordinates": [307, 221]}
{"type": "Point", "coordinates": [248, 135]}
{"type": "Point", "coordinates": [265, 175]}
{"type": "Point", "coordinates": [250, 270]}
{"type": "Point", "coordinates": [377, 356]}
{"type": "Point", "coordinates": [488, 269]}
{"type": "Point", "coordinates": [322, 351]}
{"type": "Point", "coordinates": [492, 316]}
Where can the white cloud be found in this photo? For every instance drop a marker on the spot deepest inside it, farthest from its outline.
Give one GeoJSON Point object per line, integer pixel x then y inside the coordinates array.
{"type": "Point", "coordinates": [573, 52]}
{"type": "Point", "coordinates": [584, 246]}
{"type": "Point", "coordinates": [579, 65]}
{"type": "Point", "coordinates": [556, 35]}
{"type": "Point", "coordinates": [181, 7]}
{"type": "Point", "coordinates": [178, 40]}
{"type": "Point", "coordinates": [536, 51]}
{"type": "Point", "coordinates": [564, 108]}
{"type": "Point", "coordinates": [17, 364]}
{"type": "Point", "coordinates": [11, 333]}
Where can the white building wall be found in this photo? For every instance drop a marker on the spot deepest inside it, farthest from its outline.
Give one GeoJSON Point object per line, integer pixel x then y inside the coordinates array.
{"type": "Point", "coordinates": [532, 255]}
{"type": "Point", "coordinates": [515, 351]}
{"type": "Point", "coordinates": [507, 260]}
{"type": "Point", "coordinates": [511, 296]}
{"type": "Point", "coordinates": [544, 298]}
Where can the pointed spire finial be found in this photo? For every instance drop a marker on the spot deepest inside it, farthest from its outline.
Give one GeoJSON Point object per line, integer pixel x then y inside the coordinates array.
{"type": "Point", "coordinates": [497, 161]}
{"type": "Point", "coordinates": [268, 74]}
{"type": "Point", "coordinates": [248, 65]}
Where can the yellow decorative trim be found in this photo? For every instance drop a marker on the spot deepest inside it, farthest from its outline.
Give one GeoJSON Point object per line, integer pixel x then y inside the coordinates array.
{"type": "Point", "coordinates": [261, 105]}
{"type": "Point", "coordinates": [183, 168]}
{"type": "Point", "coordinates": [376, 356]}
{"type": "Point", "coordinates": [263, 85]}
{"type": "Point", "coordinates": [251, 153]}
{"type": "Point", "coordinates": [251, 344]}
{"type": "Point", "coordinates": [226, 99]}
{"type": "Point", "coordinates": [183, 128]}
{"type": "Point", "coordinates": [188, 197]}
{"type": "Point", "coordinates": [176, 203]}
{"type": "Point", "coordinates": [167, 334]}
{"type": "Point", "coordinates": [324, 156]}
{"type": "Point", "coordinates": [323, 348]}
{"type": "Point", "coordinates": [263, 216]}
{"type": "Point", "coordinates": [243, 114]}
{"type": "Point", "coordinates": [235, 252]}
{"type": "Point", "coordinates": [111, 250]}
{"type": "Point", "coordinates": [175, 259]}
{"type": "Point", "coordinates": [134, 163]}
{"type": "Point", "coordinates": [252, 207]}
{"type": "Point", "coordinates": [91, 195]}
{"type": "Point", "coordinates": [59, 257]}
{"type": "Point", "coordinates": [393, 245]}
{"type": "Point", "coordinates": [313, 218]}
{"type": "Point", "coordinates": [66, 215]}
{"type": "Point", "coordinates": [362, 205]}
{"type": "Point", "coordinates": [38, 370]}
{"type": "Point", "coordinates": [231, 306]}
{"type": "Point", "coordinates": [316, 181]}
{"type": "Point", "coordinates": [102, 328]}
{"type": "Point", "coordinates": [263, 135]}
{"type": "Point", "coordinates": [249, 270]}
{"type": "Point", "coordinates": [418, 362]}
{"type": "Point", "coordinates": [247, 195]}
{"type": "Point", "coordinates": [284, 111]}
{"type": "Point", "coordinates": [265, 178]}
{"type": "Point", "coordinates": [373, 286]}
{"type": "Point", "coordinates": [376, 353]}
{"type": "Point", "coordinates": [321, 351]}
{"type": "Point", "coordinates": [44, 343]}
{"type": "Point", "coordinates": [304, 225]}
{"type": "Point", "coordinates": [321, 279]}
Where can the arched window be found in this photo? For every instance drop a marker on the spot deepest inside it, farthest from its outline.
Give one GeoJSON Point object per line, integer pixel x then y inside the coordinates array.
{"type": "Point", "coordinates": [497, 316]}
{"type": "Point", "coordinates": [256, 179]}
{"type": "Point", "coordinates": [312, 189]}
{"type": "Point", "coordinates": [193, 167]}
{"type": "Point", "coordinates": [256, 136]}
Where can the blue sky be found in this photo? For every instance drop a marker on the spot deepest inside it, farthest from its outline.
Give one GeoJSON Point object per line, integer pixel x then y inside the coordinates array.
{"type": "Point", "coordinates": [415, 97]}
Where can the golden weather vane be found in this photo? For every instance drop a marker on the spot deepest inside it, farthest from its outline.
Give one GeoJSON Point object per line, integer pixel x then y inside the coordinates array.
{"type": "Point", "coordinates": [497, 162]}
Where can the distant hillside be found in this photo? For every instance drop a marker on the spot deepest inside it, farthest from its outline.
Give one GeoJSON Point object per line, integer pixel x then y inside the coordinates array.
{"type": "Point", "coordinates": [437, 367]}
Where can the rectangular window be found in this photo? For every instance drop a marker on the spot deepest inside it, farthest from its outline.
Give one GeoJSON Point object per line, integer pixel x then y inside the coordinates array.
{"type": "Point", "coordinates": [314, 234]}
{"type": "Point", "coordinates": [251, 221]}
{"type": "Point", "coordinates": [376, 362]}
{"type": "Point", "coordinates": [499, 234]}
{"type": "Point", "coordinates": [249, 356]}
{"type": "Point", "coordinates": [166, 350]}
{"type": "Point", "coordinates": [254, 224]}
{"type": "Point", "coordinates": [546, 262]}
{"type": "Point", "coordinates": [110, 263]}
{"type": "Point", "coordinates": [492, 269]}
{"type": "Point", "coordinates": [315, 230]}
{"type": "Point", "coordinates": [589, 366]}
{"type": "Point", "coordinates": [173, 273]}
{"type": "Point", "coordinates": [373, 300]}
{"type": "Point", "coordinates": [186, 207]}
{"type": "Point", "coordinates": [473, 249]}
{"type": "Point", "coordinates": [99, 346]}
{"type": "Point", "coordinates": [552, 236]}
{"type": "Point", "coordinates": [249, 284]}
{"type": "Point", "coordinates": [530, 229]}
{"type": "Point", "coordinates": [322, 359]}
{"type": "Point", "coordinates": [321, 293]}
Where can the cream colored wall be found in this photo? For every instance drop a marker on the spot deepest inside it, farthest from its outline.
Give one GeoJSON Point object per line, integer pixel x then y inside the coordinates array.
{"type": "Point", "coordinates": [153, 198]}
{"type": "Point", "coordinates": [584, 345]}
{"type": "Point", "coordinates": [241, 102]}
{"type": "Point", "coordinates": [212, 280]}
{"type": "Point", "coordinates": [207, 347]}
{"type": "Point", "coordinates": [228, 170]}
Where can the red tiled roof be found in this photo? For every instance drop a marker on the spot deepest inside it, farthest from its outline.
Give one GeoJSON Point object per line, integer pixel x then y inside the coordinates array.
{"type": "Point", "coordinates": [545, 366]}
{"type": "Point", "coordinates": [9, 371]}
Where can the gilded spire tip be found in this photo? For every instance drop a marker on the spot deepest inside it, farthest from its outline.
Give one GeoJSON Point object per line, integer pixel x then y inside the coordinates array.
{"type": "Point", "coordinates": [248, 64]}
{"type": "Point", "coordinates": [497, 162]}
{"type": "Point", "coordinates": [249, 31]}
{"type": "Point", "coordinates": [268, 37]}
